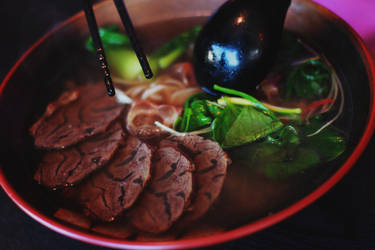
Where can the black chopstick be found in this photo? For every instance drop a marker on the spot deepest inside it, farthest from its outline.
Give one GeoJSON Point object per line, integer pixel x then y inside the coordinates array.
{"type": "Point", "coordinates": [126, 21]}
{"type": "Point", "coordinates": [93, 27]}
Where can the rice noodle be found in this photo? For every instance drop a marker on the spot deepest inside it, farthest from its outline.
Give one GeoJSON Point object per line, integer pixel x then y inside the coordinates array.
{"type": "Point", "coordinates": [172, 88]}
{"type": "Point", "coordinates": [176, 133]}
{"type": "Point", "coordinates": [336, 81]}
{"type": "Point", "coordinates": [143, 114]}
{"type": "Point", "coordinates": [136, 91]}
{"type": "Point", "coordinates": [335, 91]}
{"type": "Point", "coordinates": [305, 60]}
{"type": "Point", "coordinates": [151, 91]}
{"type": "Point", "coordinates": [178, 98]}
{"type": "Point", "coordinates": [167, 129]}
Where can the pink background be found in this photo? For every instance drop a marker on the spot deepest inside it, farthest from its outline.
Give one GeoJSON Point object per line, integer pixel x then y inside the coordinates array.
{"type": "Point", "coordinates": [360, 14]}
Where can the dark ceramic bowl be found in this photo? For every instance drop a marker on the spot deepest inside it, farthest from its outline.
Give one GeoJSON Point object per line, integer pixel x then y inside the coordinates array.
{"type": "Point", "coordinates": [59, 56]}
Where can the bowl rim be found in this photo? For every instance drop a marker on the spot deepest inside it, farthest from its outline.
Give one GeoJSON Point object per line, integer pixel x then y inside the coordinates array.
{"type": "Point", "coordinates": [242, 231]}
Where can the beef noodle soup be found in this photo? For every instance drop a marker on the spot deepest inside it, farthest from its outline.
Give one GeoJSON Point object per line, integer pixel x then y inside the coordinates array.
{"type": "Point", "coordinates": [163, 160]}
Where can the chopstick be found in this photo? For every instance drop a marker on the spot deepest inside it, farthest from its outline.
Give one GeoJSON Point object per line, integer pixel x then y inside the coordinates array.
{"type": "Point", "coordinates": [93, 27]}
{"type": "Point", "coordinates": [128, 25]}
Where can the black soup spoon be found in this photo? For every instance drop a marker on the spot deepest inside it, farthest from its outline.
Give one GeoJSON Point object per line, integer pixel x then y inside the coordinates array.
{"type": "Point", "coordinates": [238, 44]}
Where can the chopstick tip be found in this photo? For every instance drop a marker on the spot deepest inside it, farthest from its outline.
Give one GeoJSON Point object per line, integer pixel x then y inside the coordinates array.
{"type": "Point", "coordinates": [149, 75]}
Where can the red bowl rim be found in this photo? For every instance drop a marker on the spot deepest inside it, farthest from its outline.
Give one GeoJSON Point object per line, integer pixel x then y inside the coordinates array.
{"type": "Point", "coordinates": [217, 238]}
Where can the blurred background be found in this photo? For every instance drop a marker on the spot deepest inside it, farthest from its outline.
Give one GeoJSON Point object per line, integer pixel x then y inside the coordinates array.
{"type": "Point", "coordinates": [343, 219]}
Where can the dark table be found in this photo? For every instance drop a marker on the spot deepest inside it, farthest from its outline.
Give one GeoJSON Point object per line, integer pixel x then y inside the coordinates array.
{"type": "Point", "coordinates": [344, 218]}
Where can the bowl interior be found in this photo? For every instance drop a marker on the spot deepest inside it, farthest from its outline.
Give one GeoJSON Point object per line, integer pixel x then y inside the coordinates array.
{"type": "Point", "coordinates": [62, 57]}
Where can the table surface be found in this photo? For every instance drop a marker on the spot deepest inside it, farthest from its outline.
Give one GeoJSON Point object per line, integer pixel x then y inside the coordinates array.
{"type": "Point", "coordinates": [344, 218]}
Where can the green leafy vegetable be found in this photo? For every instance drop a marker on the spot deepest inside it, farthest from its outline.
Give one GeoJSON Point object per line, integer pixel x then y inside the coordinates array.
{"type": "Point", "coordinates": [201, 117]}
{"type": "Point", "coordinates": [172, 50]}
{"type": "Point", "coordinates": [125, 65]}
{"type": "Point", "coordinates": [310, 81]}
{"type": "Point", "coordinates": [231, 124]}
{"type": "Point", "coordinates": [287, 137]}
{"type": "Point", "coordinates": [228, 91]}
{"type": "Point", "coordinates": [198, 113]}
{"type": "Point", "coordinates": [288, 152]}
{"type": "Point", "coordinates": [276, 161]}
{"type": "Point", "coordinates": [281, 165]}
{"type": "Point", "coordinates": [276, 109]}
{"type": "Point", "coordinates": [123, 61]}
{"type": "Point", "coordinates": [120, 55]}
{"type": "Point", "coordinates": [111, 38]}
{"type": "Point", "coordinates": [328, 143]}
{"type": "Point", "coordinates": [239, 125]}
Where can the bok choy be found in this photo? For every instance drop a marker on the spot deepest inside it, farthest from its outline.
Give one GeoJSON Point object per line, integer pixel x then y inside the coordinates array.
{"type": "Point", "coordinates": [123, 61]}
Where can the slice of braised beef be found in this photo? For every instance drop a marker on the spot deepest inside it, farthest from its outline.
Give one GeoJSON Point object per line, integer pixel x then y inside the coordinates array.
{"type": "Point", "coordinates": [73, 218]}
{"type": "Point", "coordinates": [116, 187]}
{"type": "Point", "coordinates": [69, 166]}
{"type": "Point", "coordinates": [211, 168]}
{"type": "Point", "coordinates": [164, 201]}
{"type": "Point", "coordinates": [74, 116]}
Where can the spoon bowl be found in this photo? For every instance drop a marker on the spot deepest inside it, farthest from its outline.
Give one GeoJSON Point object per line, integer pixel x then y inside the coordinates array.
{"type": "Point", "coordinates": [238, 44]}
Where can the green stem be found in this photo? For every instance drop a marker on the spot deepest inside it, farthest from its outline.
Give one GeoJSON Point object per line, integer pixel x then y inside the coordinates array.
{"type": "Point", "coordinates": [257, 104]}
{"type": "Point", "coordinates": [276, 109]}
{"type": "Point", "coordinates": [282, 110]}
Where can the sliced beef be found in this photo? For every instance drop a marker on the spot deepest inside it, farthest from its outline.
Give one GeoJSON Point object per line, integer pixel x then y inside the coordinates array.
{"type": "Point", "coordinates": [77, 114]}
{"type": "Point", "coordinates": [143, 114]}
{"type": "Point", "coordinates": [115, 188]}
{"type": "Point", "coordinates": [73, 218]}
{"type": "Point", "coordinates": [211, 167]}
{"type": "Point", "coordinates": [163, 202]}
{"type": "Point", "coordinates": [69, 166]}
{"type": "Point", "coordinates": [65, 99]}
{"type": "Point", "coordinates": [118, 229]}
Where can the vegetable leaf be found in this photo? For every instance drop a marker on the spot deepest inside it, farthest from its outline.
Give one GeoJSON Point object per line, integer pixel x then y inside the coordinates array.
{"type": "Point", "coordinates": [111, 38]}
{"type": "Point", "coordinates": [198, 113]}
{"type": "Point", "coordinates": [277, 161]}
{"type": "Point", "coordinates": [280, 165]}
{"type": "Point", "coordinates": [328, 143]}
{"type": "Point", "coordinates": [123, 60]}
{"type": "Point", "coordinates": [239, 125]}
{"type": "Point", "coordinates": [170, 51]}
{"type": "Point", "coordinates": [286, 152]}
{"type": "Point", "coordinates": [287, 137]}
{"type": "Point", "coordinates": [124, 64]}
{"type": "Point", "coordinates": [200, 117]}
{"type": "Point", "coordinates": [310, 81]}
{"type": "Point", "coordinates": [228, 91]}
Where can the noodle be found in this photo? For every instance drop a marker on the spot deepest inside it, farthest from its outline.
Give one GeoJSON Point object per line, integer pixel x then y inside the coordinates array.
{"type": "Point", "coordinates": [172, 88]}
